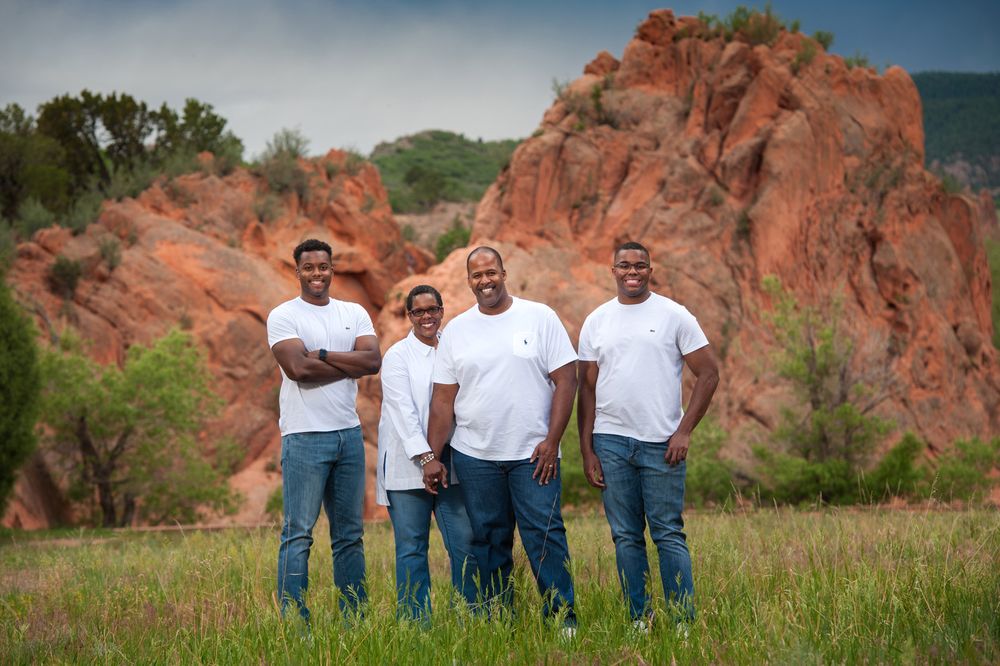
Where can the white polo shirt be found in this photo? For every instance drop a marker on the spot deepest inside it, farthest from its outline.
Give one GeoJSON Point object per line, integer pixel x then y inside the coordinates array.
{"type": "Point", "coordinates": [639, 350]}
{"type": "Point", "coordinates": [306, 407]}
{"type": "Point", "coordinates": [501, 364]}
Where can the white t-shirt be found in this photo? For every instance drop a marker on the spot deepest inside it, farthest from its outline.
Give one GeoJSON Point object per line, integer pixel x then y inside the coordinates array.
{"type": "Point", "coordinates": [501, 364]}
{"type": "Point", "coordinates": [407, 368]}
{"type": "Point", "coordinates": [639, 351]}
{"type": "Point", "coordinates": [335, 326]}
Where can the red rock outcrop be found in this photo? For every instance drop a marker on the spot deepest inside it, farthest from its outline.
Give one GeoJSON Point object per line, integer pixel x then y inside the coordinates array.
{"type": "Point", "coordinates": [733, 162]}
{"type": "Point", "coordinates": [196, 254]}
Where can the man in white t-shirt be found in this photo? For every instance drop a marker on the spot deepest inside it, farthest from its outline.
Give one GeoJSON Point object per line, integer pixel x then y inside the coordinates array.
{"type": "Point", "coordinates": [322, 346]}
{"type": "Point", "coordinates": [633, 432]}
{"type": "Point", "coordinates": [506, 373]}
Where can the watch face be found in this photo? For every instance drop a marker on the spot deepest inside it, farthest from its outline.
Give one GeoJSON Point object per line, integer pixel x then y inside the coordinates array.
{"type": "Point", "coordinates": [322, 354]}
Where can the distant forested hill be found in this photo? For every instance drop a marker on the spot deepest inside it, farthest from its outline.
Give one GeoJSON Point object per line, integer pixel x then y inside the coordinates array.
{"type": "Point", "coordinates": [962, 125]}
{"type": "Point", "coordinates": [422, 169]}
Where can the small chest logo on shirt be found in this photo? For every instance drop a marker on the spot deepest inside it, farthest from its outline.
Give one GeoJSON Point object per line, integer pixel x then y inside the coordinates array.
{"type": "Point", "coordinates": [347, 328]}
{"type": "Point", "coordinates": [652, 330]}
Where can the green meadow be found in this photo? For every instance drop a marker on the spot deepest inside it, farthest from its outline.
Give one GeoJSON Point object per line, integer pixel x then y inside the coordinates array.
{"type": "Point", "coordinates": [772, 586]}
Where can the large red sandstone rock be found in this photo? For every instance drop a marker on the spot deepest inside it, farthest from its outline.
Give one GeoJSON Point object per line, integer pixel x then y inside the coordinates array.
{"type": "Point", "coordinates": [732, 166]}
{"type": "Point", "coordinates": [195, 254]}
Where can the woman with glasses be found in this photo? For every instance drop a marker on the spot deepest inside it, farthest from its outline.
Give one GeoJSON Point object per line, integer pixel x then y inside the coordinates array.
{"type": "Point", "coordinates": [407, 368]}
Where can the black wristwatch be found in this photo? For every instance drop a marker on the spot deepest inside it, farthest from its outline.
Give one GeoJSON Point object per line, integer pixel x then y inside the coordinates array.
{"type": "Point", "coordinates": [322, 355]}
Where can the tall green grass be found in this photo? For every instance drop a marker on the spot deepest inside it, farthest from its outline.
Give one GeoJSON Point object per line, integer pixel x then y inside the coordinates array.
{"type": "Point", "coordinates": [771, 587]}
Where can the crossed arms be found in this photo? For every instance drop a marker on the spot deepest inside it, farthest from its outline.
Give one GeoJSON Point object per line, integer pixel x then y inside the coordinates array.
{"type": "Point", "coordinates": [304, 366]}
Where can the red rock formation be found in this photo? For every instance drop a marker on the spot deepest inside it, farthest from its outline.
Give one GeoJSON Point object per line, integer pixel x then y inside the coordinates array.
{"type": "Point", "coordinates": [195, 254]}
{"type": "Point", "coordinates": [733, 162]}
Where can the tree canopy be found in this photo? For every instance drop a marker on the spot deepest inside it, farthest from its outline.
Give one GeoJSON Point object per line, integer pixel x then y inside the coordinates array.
{"type": "Point", "coordinates": [127, 437]}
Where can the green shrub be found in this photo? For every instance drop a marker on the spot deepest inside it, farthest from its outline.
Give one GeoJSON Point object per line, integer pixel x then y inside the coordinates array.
{"type": "Point", "coordinates": [32, 216]}
{"type": "Point", "coordinates": [950, 184]}
{"type": "Point", "coordinates": [63, 276]}
{"type": "Point", "coordinates": [354, 163]}
{"type": "Point", "coordinates": [275, 503]}
{"type": "Point", "coordinates": [408, 233]}
{"type": "Point", "coordinates": [791, 479]}
{"type": "Point", "coordinates": [268, 208]}
{"type": "Point", "coordinates": [709, 477]}
{"type": "Point", "coordinates": [286, 143]}
{"type": "Point", "coordinates": [283, 175]}
{"type": "Point", "coordinates": [824, 38]}
{"type": "Point", "coordinates": [857, 60]}
{"type": "Point", "coordinates": [111, 252]}
{"type": "Point", "coordinates": [84, 211]}
{"type": "Point", "coordinates": [804, 56]}
{"type": "Point", "coordinates": [457, 236]}
{"type": "Point", "coordinates": [20, 386]}
{"type": "Point", "coordinates": [897, 474]}
{"type": "Point", "coordinates": [993, 258]}
{"type": "Point", "coordinates": [963, 472]}
{"type": "Point", "coordinates": [8, 246]}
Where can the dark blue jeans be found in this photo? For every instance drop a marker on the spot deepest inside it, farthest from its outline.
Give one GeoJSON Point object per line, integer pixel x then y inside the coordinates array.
{"type": "Point", "coordinates": [410, 512]}
{"type": "Point", "coordinates": [499, 496]}
{"type": "Point", "coordinates": [642, 487]}
{"type": "Point", "coordinates": [328, 469]}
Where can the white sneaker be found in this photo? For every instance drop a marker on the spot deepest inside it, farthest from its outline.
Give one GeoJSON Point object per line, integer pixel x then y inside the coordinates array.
{"type": "Point", "coordinates": [683, 630]}
{"type": "Point", "coordinates": [640, 626]}
{"type": "Point", "coordinates": [567, 633]}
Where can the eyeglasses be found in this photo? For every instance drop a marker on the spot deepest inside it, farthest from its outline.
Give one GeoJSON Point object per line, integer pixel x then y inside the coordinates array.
{"type": "Point", "coordinates": [434, 311]}
{"type": "Point", "coordinates": [625, 266]}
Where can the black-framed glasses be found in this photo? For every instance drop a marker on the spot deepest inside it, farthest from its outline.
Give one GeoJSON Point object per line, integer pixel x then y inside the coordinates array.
{"type": "Point", "coordinates": [625, 266]}
{"type": "Point", "coordinates": [433, 311]}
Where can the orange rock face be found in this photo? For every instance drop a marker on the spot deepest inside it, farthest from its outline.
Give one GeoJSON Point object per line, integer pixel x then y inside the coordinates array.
{"type": "Point", "coordinates": [195, 254]}
{"type": "Point", "coordinates": [732, 162]}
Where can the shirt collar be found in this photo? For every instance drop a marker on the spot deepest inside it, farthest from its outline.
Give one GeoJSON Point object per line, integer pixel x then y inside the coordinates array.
{"type": "Point", "coordinates": [418, 346]}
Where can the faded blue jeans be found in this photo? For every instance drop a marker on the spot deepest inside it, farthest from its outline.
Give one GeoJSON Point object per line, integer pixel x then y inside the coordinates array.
{"type": "Point", "coordinates": [642, 487]}
{"type": "Point", "coordinates": [410, 512]}
{"type": "Point", "coordinates": [499, 496]}
{"type": "Point", "coordinates": [328, 469]}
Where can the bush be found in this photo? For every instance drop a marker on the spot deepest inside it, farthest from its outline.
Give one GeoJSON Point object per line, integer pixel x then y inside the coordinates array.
{"type": "Point", "coordinates": [709, 477]}
{"type": "Point", "coordinates": [824, 38]}
{"type": "Point", "coordinates": [84, 211]}
{"type": "Point", "coordinates": [267, 208]}
{"type": "Point", "coordinates": [993, 258]}
{"type": "Point", "coordinates": [457, 236]}
{"type": "Point", "coordinates": [63, 276]}
{"type": "Point", "coordinates": [32, 216]}
{"type": "Point", "coordinates": [789, 479]}
{"type": "Point", "coordinates": [8, 246]}
{"type": "Point", "coordinates": [283, 175]}
{"type": "Point", "coordinates": [286, 143]}
{"type": "Point", "coordinates": [19, 391]}
{"type": "Point", "coordinates": [857, 60]}
{"type": "Point", "coordinates": [804, 56]}
{"type": "Point", "coordinates": [111, 252]}
{"type": "Point", "coordinates": [963, 473]}
{"type": "Point", "coordinates": [897, 474]}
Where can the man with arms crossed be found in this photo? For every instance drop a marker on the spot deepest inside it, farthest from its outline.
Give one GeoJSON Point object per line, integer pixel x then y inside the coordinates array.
{"type": "Point", "coordinates": [322, 346]}
{"type": "Point", "coordinates": [633, 432]}
{"type": "Point", "coordinates": [506, 371]}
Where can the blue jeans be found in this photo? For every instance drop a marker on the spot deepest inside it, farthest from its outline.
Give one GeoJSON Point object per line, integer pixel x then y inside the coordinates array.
{"type": "Point", "coordinates": [410, 512]}
{"type": "Point", "coordinates": [500, 495]}
{"type": "Point", "coordinates": [325, 468]}
{"type": "Point", "coordinates": [642, 487]}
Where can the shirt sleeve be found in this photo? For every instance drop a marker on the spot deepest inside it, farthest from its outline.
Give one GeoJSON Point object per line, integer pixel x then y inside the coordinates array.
{"type": "Point", "coordinates": [444, 364]}
{"type": "Point", "coordinates": [399, 406]}
{"type": "Point", "coordinates": [364, 322]}
{"type": "Point", "coordinates": [558, 348]}
{"type": "Point", "coordinates": [587, 351]}
{"type": "Point", "coordinates": [280, 326]}
{"type": "Point", "coordinates": [690, 337]}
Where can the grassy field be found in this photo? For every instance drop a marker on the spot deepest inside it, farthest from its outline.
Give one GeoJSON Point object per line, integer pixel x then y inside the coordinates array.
{"type": "Point", "coordinates": [772, 587]}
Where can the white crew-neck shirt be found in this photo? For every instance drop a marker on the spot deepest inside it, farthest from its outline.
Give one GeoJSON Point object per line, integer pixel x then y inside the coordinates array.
{"type": "Point", "coordinates": [639, 350]}
{"type": "Point", "coordinates": [306, 407]}
{"type": "Point", "coordinates": [501, 364]}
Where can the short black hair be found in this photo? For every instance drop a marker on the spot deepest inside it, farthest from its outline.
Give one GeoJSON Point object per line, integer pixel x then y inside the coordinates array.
{"type": "Point", "coordinates": [311, 245]}
{"type": "Point", "coordinates": [630, 245]}
{"type": "Point", "coordinates": [483, 248]}
{"type": "Point", "coordinates": [422, 289]}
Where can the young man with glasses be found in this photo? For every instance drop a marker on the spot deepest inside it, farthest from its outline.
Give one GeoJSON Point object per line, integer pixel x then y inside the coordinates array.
{"type": "Point", "coordinates": [634, 433]}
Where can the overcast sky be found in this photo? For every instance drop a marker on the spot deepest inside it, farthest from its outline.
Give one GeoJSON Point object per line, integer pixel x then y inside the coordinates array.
{"type": "Point", "coordinates": [351, 74]}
